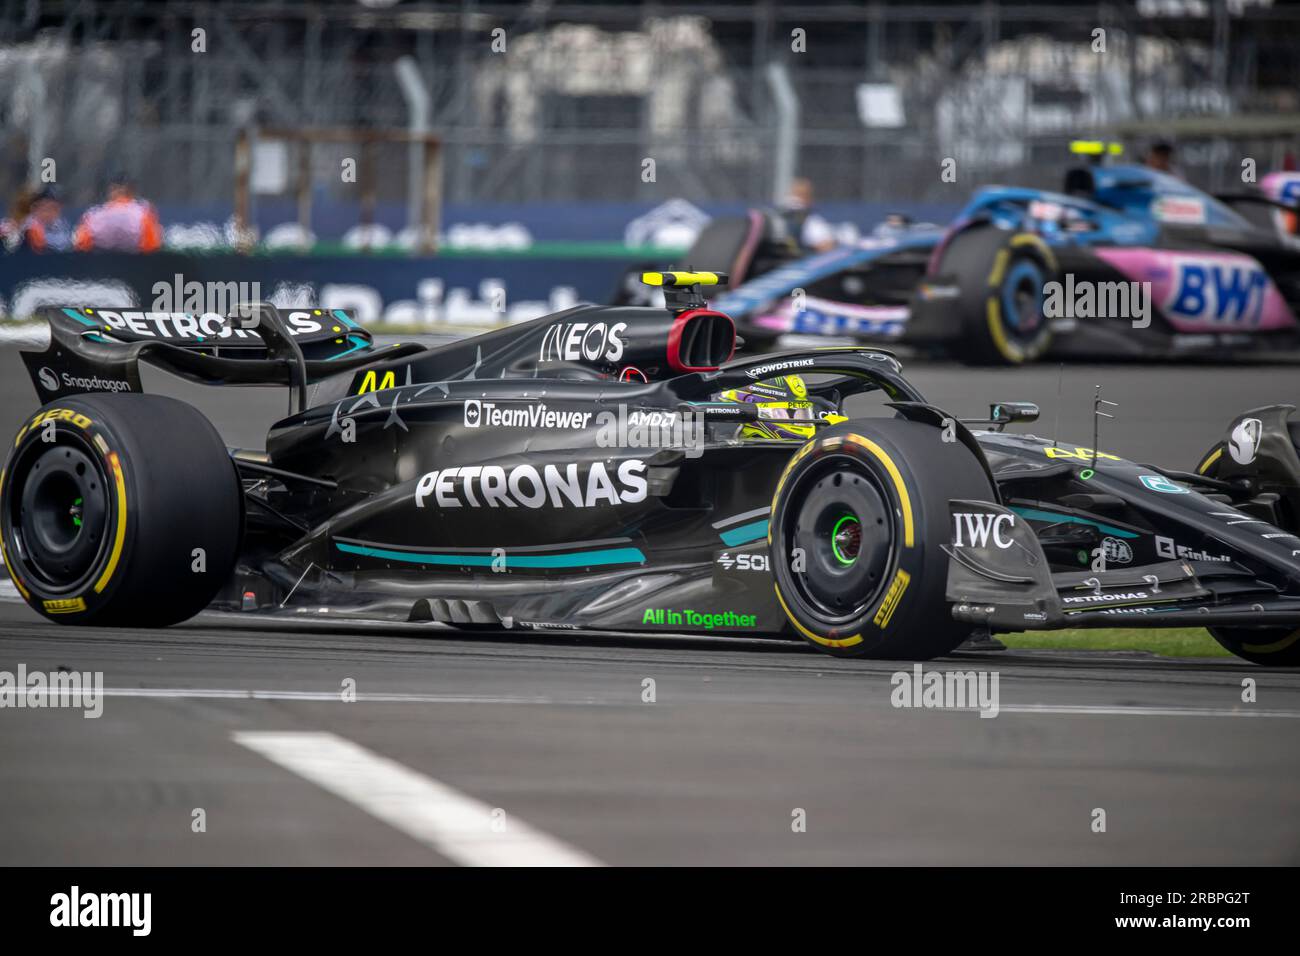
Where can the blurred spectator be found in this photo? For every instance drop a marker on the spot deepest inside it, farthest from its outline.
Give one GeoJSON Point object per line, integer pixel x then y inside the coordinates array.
{"type": "Point", "coordinates": [124, 223]}
{"type": "Point", "coordinates": [1161, 157]}
{"type": "Point", "coordinates": [11, 225]}
{"type": "Point", "coordinates": [44, 228]}
{"type": "Point", "coordinates": [807, 228]}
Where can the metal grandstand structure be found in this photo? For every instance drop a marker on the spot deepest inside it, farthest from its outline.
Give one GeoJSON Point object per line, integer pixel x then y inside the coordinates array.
{"type": "Point", "coordinates": [547, 101]}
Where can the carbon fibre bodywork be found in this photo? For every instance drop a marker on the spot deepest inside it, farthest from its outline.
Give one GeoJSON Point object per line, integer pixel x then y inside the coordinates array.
{"type": "Point", "coordinates": [522, 478]}
{"type": "Point", "coordinates": [1104, 541]}
{"type": "Point", "coordinates": [531, 501]}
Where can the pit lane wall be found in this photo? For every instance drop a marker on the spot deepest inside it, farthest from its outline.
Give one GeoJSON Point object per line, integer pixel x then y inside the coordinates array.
{"type": "Point", "coordinates": [451, 289]}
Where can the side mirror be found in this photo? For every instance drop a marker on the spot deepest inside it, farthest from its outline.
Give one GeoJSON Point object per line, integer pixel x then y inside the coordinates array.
{"type": "Point", "coordinates": [1004, 413]}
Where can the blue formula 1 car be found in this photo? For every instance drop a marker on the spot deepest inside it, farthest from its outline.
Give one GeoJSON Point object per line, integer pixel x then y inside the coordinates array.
{"type": "Point", "coordinates": [1125, 261]}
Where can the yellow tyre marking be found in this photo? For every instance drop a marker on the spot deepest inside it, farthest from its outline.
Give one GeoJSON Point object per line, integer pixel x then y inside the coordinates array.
{"type": "Point", "coordinates": [794, 459]}
{"type": "Point", "coordinates": [893, 598]}
{"type": "Point", "coordinates": [120, 537]}
{"type": "Point", "coordinates": [824, 641]}
{"type": "Point", "coordinates": [1209, 461]}
{"type": "Point", "coordinates": [999, 267]}
{"type": "Point", "coordinates": [64, 605]}
{"type": "Point", "coordinates": [1006, 348]}
{"type": "Point", "coordinates": [1279, 645]}
{"type": "Point", "coordinates": [909, 532]}
{"type": "Point", "coordinates": [1043, 249]}
{"type": "Point", "coordinates": [14, 577]}
{"type": "Point", "coordinates": [4, 552]}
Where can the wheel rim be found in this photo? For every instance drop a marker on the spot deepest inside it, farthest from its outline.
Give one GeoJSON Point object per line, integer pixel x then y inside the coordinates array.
{"type": "Point", "coordinates": [1022, 292]}
{"type": "Point", "coordinates": [842, 524]}
{"type": "Point", "coordinates": [846, 539]}
{"type": "Point", "coordinates": [60, 516]}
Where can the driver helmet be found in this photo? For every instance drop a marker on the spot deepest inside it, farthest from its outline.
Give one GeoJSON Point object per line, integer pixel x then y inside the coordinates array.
{"type": "Point", "coordinates": [784, 409]}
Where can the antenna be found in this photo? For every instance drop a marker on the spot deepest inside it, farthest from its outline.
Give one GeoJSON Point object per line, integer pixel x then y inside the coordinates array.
{"type": "Point", "coordinates": [1060, 386]}
{"type": "Point", "coordinates": [1097, 415]}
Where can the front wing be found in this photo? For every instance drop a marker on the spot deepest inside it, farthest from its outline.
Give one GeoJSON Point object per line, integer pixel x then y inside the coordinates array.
{"type": "Point", "coordinates": [1005, 583]}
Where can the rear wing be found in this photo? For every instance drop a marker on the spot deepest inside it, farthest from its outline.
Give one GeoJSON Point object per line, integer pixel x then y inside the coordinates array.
{"type": "Point", "coordinates": [99, 350]}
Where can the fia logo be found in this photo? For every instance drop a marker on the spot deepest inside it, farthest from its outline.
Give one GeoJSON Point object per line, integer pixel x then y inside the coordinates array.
{"type": "Point", "coordinates": [1116, 551]}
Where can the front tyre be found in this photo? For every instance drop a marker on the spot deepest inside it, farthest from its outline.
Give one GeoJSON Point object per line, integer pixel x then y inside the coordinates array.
{"type": "Point", "coordinates": [858, 522]}
{"type": "Point", "coordinates": [1271, 646]}
{"type": "Point", "coordinates": [1001, 278]}
{"type": "Point", "coordinates": [120, 510]}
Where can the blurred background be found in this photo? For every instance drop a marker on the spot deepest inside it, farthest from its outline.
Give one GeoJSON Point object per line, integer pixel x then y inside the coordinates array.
{"type": "Point", "coordinates": [541, 146]}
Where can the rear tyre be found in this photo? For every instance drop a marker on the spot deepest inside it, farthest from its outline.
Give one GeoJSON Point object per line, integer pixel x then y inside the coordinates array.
{"type": "Point", "coordinates": [120, 510]}
{"type": "Point", "coordinates": [857, 524]}
{"type": "Point", "coordinates": [1001, 277]}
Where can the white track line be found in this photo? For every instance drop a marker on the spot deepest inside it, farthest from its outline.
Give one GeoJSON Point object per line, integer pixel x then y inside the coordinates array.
{"type": "Point", "coordinates": [327, 696]}
{"type": "Point", "coordinates": [334, 696]}
{"type": "Point", "coordinates": [452, 823]}
{"type": "Point", "coordinates": [1121, 711]}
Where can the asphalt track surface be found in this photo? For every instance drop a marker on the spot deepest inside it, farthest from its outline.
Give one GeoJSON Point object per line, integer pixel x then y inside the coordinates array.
{"type": "Point", "coordinates": [544, 749]}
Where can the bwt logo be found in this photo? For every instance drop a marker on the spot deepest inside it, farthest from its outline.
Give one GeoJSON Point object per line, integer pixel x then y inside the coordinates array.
{"type": "Point", "coordinates": [979, 528]}
{"type": "Point", "coordinates": [1220, 292]}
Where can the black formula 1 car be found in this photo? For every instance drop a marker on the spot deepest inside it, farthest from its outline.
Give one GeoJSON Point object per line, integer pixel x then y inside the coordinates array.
{"type": "Point", "coordinates": [610, 468]}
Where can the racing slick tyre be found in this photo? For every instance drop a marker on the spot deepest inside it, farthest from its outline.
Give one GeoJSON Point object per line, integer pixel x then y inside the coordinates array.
{"type": "Point", "coordinates": [858, 524]}
{"type": "Point", "coordinates": [1268, 646]}
{"type": "Point", "coordinates": [119, 510]}
{"type": "Point", "coordinates": [1001, 278]}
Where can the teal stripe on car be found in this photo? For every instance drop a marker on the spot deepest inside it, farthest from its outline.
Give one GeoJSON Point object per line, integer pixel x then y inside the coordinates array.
{"type": "Point", "coordinates": [575, 559]}
{"type": "Point", "coordinates": [745, 533]}
{"type": "Point", "coordinates": [358, 344]}
{"type": "Point", "coordinates": [1033, 514]}
{"type": "Point", "coordinates": [74, 314]}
